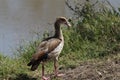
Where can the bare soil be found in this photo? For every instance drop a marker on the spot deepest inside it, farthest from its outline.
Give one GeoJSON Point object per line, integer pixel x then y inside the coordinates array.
{"type": "Point", "coordinates": [102, 69]}
{"type": "Point", "coordinates": [95, 70]}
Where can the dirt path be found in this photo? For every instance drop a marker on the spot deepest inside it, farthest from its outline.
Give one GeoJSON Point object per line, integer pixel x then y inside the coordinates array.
{"type": "Point", "coordinates": [105, 70]}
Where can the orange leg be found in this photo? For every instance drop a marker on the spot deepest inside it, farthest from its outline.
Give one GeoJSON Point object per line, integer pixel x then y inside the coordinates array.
{"type": "Point", "coordinates": [56, 69]}
{"type": "Point", "coordinates": [43, 76]}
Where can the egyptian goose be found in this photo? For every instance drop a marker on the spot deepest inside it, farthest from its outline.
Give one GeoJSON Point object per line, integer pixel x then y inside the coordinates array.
{"type": "Point", "coordinates": [50, 48]}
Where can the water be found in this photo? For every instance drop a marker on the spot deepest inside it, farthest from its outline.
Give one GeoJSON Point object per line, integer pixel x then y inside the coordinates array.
{"type": "Point", "coordinates": [19, 19]}
{"type": "Point", "coordinates": [115, 3]}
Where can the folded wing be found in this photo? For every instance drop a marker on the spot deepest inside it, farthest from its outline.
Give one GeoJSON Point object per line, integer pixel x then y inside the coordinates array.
{"type": "Point", "coordinates": [43, 50]}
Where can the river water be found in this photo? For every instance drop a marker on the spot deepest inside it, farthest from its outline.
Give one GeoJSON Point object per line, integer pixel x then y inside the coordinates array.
{"type": "Point", "coordinates": [19, 19]}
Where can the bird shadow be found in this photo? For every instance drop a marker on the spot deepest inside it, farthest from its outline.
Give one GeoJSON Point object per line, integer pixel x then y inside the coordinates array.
{"type": "Point", "coordinates": [23, 77]}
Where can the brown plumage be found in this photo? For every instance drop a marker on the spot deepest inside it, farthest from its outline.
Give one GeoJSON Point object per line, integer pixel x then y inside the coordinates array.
{"type": "Point", "coordinates": [42, 53]}
{"type": "Point", "coordinates": [49, 48]}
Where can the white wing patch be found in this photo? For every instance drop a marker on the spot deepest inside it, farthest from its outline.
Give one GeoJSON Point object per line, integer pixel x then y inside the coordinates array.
{"type": "Point", "coordinates": [56, 52]}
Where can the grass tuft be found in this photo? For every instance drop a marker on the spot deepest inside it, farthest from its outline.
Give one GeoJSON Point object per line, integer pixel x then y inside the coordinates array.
{"type": "Point", "coordinates": [93, 35]}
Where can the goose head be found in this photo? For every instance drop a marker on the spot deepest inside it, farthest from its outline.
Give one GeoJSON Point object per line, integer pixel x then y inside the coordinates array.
{"type": "Point", "coordinates": [62, 20]}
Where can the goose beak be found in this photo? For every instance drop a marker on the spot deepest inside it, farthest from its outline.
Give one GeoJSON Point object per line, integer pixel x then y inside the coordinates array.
{"type": "Point", "coordinates": [68, 24]}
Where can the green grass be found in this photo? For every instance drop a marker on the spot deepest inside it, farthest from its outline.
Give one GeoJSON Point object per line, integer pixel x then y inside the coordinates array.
{"type": "Point", "coordinates": [96, 36]}
{"type": "Point", "coordinates": [10, 67]}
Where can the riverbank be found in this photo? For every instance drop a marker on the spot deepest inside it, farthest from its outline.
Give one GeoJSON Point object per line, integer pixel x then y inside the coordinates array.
{"type": "Point", "coordinates": [91, 51]}
{"type": "Point", "coordinates": [107, 68]}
